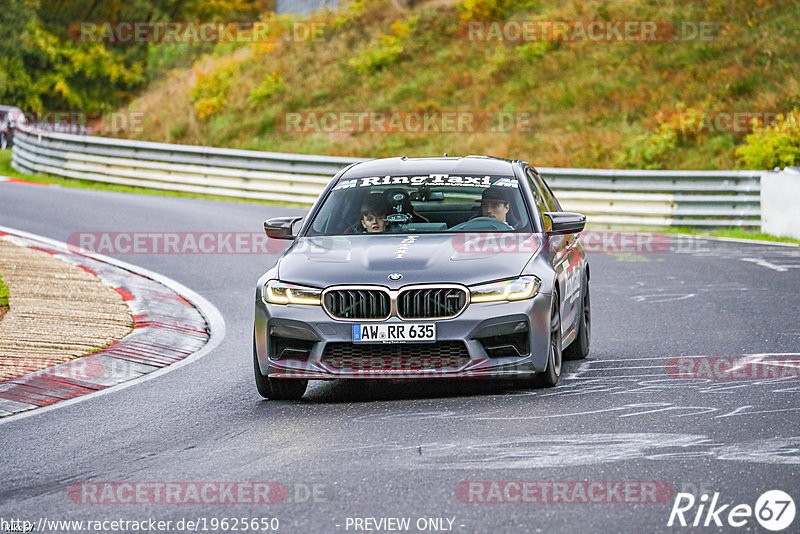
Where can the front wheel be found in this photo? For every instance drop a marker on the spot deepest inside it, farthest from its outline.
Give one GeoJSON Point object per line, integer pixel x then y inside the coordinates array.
{"type": "Point", "coordinates": [283, 389]}
{"type": "Point", "coordinates": [579, 348]}
{"type": "Point", "coordinates": [262, 382]}
{"type": "Point", "coordinates": [276, 388]}
{"type": "Point", "coordinates": [550, 376]}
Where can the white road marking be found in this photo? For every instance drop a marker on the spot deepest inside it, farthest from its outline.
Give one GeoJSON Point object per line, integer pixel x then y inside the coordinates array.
{"type": "Point", "coordinates": [663, 297]}
{"type": "Point", "coordinates": [625, 368]}
{"type": "Point", "coordinates": [703, 410]}
{"type": "Point", "coordinates": [755, 354]}
{"type": "Point", "coordinates": [772, 451]}
{"type": "Point", "coordinates": [734, 412]}
{"type": "Point", "coordinates": [764, 263]}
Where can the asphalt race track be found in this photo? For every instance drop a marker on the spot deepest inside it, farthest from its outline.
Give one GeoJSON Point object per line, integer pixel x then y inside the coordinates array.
{"type": "Point", "coordinates": [403, 449]}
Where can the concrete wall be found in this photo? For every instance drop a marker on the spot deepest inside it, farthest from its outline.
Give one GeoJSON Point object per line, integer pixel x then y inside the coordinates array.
{"type": "Point", "coordinates": [302, 6]}
{"type": "Point", "coordinates": [780, 203]}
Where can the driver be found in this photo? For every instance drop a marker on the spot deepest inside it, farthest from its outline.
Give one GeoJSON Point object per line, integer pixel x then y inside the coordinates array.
{"type": "Point", "coordinates": [495, 203]}
{"type": "Point", "coordinates": [373, 215]}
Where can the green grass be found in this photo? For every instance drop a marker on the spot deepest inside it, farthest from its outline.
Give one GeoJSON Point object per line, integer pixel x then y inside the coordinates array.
{"type": "Point", "coordinates": [3, 293]}
{"type": "Point", "coordinates": [736, 233]}
{"type": "Point", "coordinates": [7, 170]}
{"type": "Point", "coordinates": [731, 232]}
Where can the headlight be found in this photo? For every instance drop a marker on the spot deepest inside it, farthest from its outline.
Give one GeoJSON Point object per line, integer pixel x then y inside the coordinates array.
{"type": "Point", "coordinates": [521, 288]}
{"type": "Point", "coordinates": [277, 292]}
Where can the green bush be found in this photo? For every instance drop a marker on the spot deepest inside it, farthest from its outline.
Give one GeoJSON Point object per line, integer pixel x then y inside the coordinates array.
{"type": "Point", "coordinates": [372, 59]}
{"type": "Point", "coordinates": [179, 131]}
{"type": "Point", "coordinates": [355, 9]}
{"type": "Point", "coordinates": [493, 9]}
{"type": "Point", "coordinates": [162, 57]}
{"type": "Point", "coordinates": [211, 89]}
{"type": "Point", "coordinates": [378, 56]}
{"type": "Point", "coordinates": [647, 151]}
{"type": "Point", "coordinates": [50, 61]}
{"type": "Point", "coordinates": [675, 129]}
{"type": "Point", "coordinates": [531, 52]}
{"type": "Point", "coordinates": [776, 145]}
{"type": "Point", "coordinates": [271, 85]}
{"type": "Point", "coordinates": [3, 293]}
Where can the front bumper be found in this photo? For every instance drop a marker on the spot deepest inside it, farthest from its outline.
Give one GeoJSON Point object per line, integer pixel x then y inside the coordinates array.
{"type": "Point", "coordinates": [275, 324]}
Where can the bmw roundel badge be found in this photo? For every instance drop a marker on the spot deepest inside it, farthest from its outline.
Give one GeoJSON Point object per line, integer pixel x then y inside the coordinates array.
{"type": "Point", "coordinates": [395, 276]}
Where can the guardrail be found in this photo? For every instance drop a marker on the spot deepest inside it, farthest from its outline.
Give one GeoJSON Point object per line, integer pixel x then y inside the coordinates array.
{"type": "Point", "coordinates": [607, 196]}
{"type": "Point", "coordinates": [780, 196]}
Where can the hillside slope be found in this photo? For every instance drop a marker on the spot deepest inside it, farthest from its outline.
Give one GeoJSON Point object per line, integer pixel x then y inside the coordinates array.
{"type": "Point", "coordinates": [607, 103]}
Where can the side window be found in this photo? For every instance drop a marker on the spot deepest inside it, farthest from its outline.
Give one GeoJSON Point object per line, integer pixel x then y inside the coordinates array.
{"type": "Point", "coordinates": [541, 205]}
{"type": "Point", "coordinates": [549, 197]}
{"type": "Point", "coordinates": [547, 194]}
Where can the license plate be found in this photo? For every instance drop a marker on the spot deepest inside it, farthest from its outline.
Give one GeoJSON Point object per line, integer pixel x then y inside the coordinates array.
{"type": "Point", "coordinates": [394, 333]}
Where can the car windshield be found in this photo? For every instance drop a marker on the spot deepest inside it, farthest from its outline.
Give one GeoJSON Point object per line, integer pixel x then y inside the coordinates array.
{"type": "Point", "coordinates": [422, 204]}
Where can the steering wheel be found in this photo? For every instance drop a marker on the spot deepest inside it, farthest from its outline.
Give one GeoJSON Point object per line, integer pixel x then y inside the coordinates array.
{"type": "Point", "coordinates": [482, 223]}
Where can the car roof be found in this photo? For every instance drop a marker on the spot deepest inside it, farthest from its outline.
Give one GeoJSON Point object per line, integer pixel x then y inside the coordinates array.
{"type": "Point", "coordinates": [403, 166]}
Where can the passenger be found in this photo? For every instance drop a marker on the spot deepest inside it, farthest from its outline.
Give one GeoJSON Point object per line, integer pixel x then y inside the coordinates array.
{"type": "Point", "coordinates": [373, 215]}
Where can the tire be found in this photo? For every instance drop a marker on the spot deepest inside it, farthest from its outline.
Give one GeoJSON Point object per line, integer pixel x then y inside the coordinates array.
{"type": "Point", "coordinates": [275, 388]}
{"type": "Point", "coordinates": [287, 389]}
{"type": "Point", "coordinates": [579, 348]}
{"type": "Point", "coordinates": [262, 382]}
{"type": "Point", "coordinates": [3, 141]}
{"type": "Point", "coordinates": [550, 376]}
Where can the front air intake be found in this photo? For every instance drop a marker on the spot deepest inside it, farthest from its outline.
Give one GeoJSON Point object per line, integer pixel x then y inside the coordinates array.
{"type": "Point", "coordinates": [431, 302]}
{"type": "Point", "coordinates": [444, 355]}
{"type": "Point", "coordinates": [369, 304]}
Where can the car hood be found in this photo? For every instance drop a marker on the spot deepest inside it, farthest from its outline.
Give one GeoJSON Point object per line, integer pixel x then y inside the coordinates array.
{"type": "Point", "coordinates": [370, 259]}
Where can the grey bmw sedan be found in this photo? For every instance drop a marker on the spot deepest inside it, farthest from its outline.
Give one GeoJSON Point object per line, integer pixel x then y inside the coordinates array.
{"type": "Point", "coordinates": [413, 268]}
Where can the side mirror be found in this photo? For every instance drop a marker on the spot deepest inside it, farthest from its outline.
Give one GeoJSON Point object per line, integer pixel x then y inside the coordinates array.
{"type": "Point", "coordinates": [280, 227]}
{"type": "Point", "coordinates": [563, 222]}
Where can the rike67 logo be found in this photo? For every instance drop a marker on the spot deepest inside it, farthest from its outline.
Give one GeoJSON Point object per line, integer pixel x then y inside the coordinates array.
{"type": "Point", "coordinates": [774, 510]}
